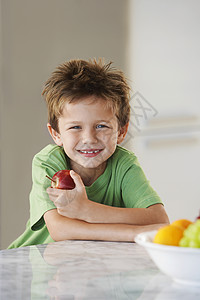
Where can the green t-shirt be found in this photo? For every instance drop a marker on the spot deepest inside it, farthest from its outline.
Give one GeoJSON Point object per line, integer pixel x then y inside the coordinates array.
{"type": "Point", "coordinates": [123, 184]}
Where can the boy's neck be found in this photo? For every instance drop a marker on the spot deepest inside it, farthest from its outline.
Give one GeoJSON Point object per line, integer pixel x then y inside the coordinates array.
{"type": "Point", "coordinates": [90, 175]}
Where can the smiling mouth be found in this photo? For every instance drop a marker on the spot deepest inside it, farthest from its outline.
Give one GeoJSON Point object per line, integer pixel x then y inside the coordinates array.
{"type": "Point", "coordinates": [90, 152]}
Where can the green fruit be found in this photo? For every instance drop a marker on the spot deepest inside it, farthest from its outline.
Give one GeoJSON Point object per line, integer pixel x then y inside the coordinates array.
{"type": "Point", "coordinates": [191, 236]}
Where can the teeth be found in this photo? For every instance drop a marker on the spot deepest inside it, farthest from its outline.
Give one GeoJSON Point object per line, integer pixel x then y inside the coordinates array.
{"type": "Point", "coordinates": [86, 152]}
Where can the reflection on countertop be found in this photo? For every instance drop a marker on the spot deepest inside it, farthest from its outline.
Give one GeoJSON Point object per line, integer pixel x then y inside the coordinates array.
{"type": "Point", "coordinates": [86, 270]}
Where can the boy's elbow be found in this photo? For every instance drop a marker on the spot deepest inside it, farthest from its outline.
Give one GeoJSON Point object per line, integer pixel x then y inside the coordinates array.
{"type": "Point", "coordinates": [62, 232]}
{"type": "Point", "coordinates": [59, 227]}
{"type": "Point", "coordinates": [56, 236]}
{"type": "Point", "coordinates": [158, 214]}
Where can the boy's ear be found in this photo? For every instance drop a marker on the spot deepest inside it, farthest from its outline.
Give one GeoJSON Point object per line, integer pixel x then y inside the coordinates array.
{"type": "Point", "coordinates": [122, 133]}
{"type": "Point", "coordinates": [55, 135]}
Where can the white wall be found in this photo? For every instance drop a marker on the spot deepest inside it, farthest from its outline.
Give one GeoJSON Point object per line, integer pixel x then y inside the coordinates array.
{"type": "Point", "coordinates": [165, 64]}
{"type": "Point", "coordinates": [37, 36]}
{"type": "Point", "coordinates": [165, 52]}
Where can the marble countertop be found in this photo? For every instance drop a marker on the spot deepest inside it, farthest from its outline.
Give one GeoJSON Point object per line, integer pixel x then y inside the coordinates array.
{"type": "Point", "coordinates": [83, 270]}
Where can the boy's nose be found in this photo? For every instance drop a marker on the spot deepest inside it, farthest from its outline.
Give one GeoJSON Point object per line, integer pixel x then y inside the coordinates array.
{"type": "Point", "coordinates": [89, 136]}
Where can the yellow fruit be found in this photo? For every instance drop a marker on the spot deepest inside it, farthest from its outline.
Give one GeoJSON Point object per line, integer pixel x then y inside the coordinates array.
{"type": "Point", "coordinates": [184, 223]}
{"type": "Point", "coordinates": [169, 235]}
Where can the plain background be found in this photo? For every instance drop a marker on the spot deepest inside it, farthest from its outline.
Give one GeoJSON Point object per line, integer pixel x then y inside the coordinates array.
{"type": "Point", "coordinates": [36, 36]}
{"type": "Point", "coordinates": [164, 64]}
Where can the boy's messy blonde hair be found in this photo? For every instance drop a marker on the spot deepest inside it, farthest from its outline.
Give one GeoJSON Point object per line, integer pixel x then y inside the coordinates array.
{"type": "Point", "coordinates": [77, 79]}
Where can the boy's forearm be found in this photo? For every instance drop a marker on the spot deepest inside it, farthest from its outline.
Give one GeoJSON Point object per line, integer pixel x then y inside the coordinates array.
{"type": "Point", "coordinates": [93, 212]}
{"type": "Point", "coordinates": [62, 228]}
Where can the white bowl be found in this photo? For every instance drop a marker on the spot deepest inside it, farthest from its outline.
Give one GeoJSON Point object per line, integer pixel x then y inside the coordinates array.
{"type": "Point", "coordinates": [180, 263]}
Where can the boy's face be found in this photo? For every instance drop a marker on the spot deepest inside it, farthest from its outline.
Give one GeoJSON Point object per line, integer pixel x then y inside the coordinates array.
{"type": "Point", "coordinates": [88, 133]}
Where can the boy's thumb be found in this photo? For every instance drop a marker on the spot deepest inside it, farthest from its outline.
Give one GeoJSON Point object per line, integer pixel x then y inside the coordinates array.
{"type": "Point", "coordinates": [77, 179]}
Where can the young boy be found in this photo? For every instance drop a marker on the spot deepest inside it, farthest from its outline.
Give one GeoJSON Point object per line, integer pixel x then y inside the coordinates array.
{"type": "Point", "coordinates": [88, 113]}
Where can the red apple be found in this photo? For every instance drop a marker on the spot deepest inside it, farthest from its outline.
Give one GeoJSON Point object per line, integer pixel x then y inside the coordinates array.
{"type": "Point", "coordinates": [62, 180]}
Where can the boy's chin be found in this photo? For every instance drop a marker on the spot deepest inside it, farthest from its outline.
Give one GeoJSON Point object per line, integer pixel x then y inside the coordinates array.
{"type": "Point", "coordinates": [91, 165]}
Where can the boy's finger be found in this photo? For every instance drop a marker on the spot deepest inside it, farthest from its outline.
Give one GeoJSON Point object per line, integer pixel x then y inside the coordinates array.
{"type": "Point", "coordinates": [77, 179]}
{"type": "Point", "coordinates": [53, 192]}
{"type": "Point", "coordinates": [50, 190]}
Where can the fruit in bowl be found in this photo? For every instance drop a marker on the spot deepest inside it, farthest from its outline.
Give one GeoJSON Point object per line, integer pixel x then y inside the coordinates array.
{"type": "Point", "coordinates": [62, 180]}
{"type": "Point", "coordinates": [181, 232]}
{"type": "Point", "coordinates": [172, 234]}
{"type": "Point", "coordinates": [191, 236]}
{"type": "Point", "coordinates": [169, 235]}
{"type": "Point", "coordinates": [175, 249]}
{"type": "Point", "coordinates": [180, 263]}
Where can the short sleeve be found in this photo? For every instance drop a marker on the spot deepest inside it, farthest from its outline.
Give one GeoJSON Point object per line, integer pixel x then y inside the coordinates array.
{"type": "Point", "coordinates": [47, 162]}
{"type": "Point", "coordinates": [136, 189]}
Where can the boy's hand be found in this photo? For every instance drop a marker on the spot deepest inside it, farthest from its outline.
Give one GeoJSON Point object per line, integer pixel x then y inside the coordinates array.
{"type": "Point", "coordinates": [70, 203]}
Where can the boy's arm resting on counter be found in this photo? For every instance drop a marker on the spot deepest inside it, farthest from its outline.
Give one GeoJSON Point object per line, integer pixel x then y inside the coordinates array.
{"type": "Point", "coordinates": [63, 228]}
{"type": "Point", "coordinates": [99, 213]}
{"type": "Point", "coordinates": [93, 212]}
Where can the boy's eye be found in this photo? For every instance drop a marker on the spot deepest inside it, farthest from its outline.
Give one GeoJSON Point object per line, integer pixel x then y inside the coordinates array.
{"type": "Point", "coordinates": [101, 126]}
{"type": "Point", "coordinates": [75, 127]}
